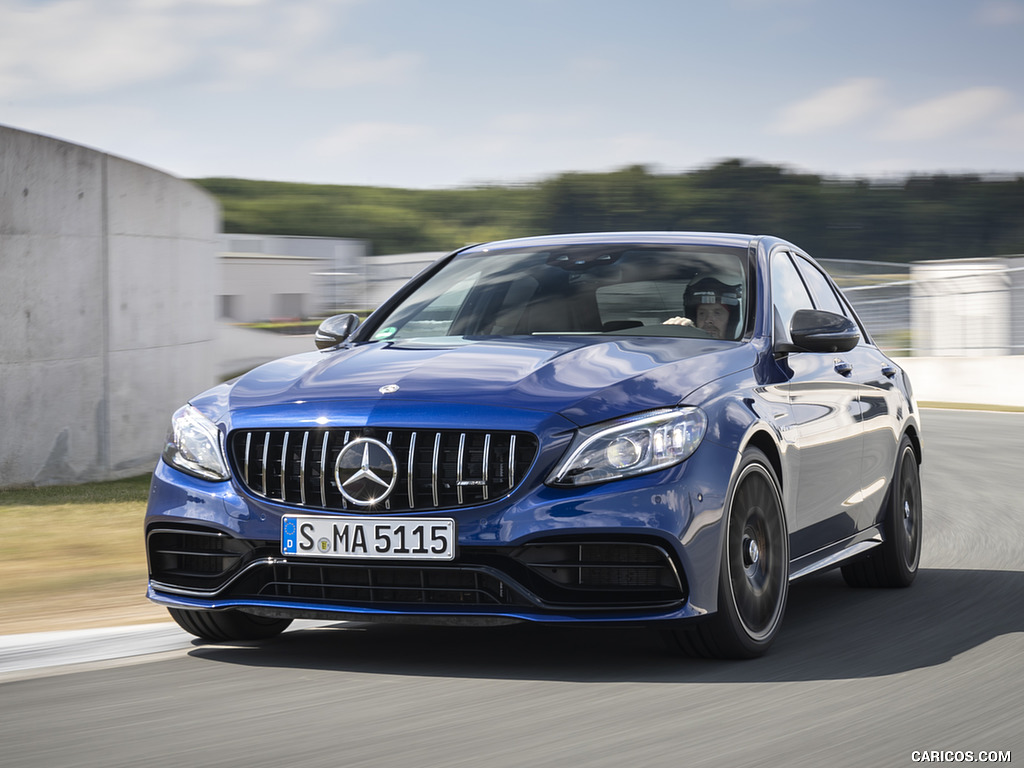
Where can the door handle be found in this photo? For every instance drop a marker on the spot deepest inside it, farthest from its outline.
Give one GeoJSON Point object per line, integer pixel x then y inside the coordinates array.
{"type": "Point", "coordinates": [889, 372]}
{"type": "Point", "coordinates": [843, 368]}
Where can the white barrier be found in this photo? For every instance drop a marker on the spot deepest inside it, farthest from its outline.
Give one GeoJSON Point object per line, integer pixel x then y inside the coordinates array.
{"type": "Point", "coordinates": [992, 381]}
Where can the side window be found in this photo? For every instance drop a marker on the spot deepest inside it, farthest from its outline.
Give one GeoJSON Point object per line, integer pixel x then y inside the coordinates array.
{"type": "Point", "coordinates": [821, 291]}
{"type": "Point", "coordinates": [788, 294]}
{"type": "Point", "coordinates": [435, 316]}
{"type": "Point", "coordinates": [825, 295]}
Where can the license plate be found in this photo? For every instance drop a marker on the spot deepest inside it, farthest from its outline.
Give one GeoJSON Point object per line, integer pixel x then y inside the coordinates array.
{"type": "Point", "coordinates": [381, 538]}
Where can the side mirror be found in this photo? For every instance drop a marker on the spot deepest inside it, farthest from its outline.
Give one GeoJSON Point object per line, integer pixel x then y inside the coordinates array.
{"type": "Point", "coordinates": [815, 330]}
{"type": "Point", "coordinates": [335, 330]}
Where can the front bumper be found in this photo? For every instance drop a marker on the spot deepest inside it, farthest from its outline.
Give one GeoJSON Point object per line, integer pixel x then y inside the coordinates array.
{"type": "Point", "coordinates": [637, 550]}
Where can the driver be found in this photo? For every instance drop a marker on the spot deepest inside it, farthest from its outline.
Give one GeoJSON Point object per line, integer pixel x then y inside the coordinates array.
{"type": "Point", "coordinates": [712, 306]}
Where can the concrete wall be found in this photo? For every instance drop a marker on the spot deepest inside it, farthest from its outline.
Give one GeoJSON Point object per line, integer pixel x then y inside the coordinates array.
{"type": "Point", "coordinates": [106, 313]}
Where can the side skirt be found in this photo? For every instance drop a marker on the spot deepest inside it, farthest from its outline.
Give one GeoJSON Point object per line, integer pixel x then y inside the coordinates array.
{"type": "Point", "coordinates": [836, 554]}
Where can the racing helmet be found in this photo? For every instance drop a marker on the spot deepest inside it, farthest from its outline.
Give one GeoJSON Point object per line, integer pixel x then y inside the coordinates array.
{"type": "Point", "coordinates": [709, 289]}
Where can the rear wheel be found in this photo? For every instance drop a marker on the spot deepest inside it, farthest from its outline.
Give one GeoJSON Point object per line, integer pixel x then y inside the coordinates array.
{"type": "Point", "coordinates": [227, 626]}
{"type": "Point", "coordinates": [754, 576]}
{"type": "Point", "coordinates": [894, 563]}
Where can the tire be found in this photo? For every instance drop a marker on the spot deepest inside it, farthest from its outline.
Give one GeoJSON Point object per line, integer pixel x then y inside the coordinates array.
{"type": "Point", "coordinates": [227, 626]}
{"type": "Point", "coordinates": [894, 563]}
{"type": "Point", "coordinates": [753, 582]}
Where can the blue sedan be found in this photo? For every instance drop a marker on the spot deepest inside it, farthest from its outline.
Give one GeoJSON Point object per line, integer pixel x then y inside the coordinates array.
{"type": "Point", "coordinates": [658, 428]}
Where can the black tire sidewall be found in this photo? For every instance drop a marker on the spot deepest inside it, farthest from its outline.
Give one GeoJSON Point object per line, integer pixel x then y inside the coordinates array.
{"type": "Point", "coordinates": [733, 630]}
{"type": "Point", "coordinates": [904, 569]}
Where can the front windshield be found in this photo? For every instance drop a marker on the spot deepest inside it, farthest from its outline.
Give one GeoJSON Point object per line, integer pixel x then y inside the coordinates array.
{"type": "Point", "coordinates": [641, 290]}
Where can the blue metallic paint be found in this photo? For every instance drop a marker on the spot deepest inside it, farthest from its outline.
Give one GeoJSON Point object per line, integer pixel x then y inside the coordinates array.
{"type": "Point", "coordinates": [549, 386]}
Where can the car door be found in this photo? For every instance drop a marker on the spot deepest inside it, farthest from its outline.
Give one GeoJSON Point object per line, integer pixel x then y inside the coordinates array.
{"type": "Point", "coordinates": [880, 401]}
{"type": "Point", "coordinates": [824, 435]}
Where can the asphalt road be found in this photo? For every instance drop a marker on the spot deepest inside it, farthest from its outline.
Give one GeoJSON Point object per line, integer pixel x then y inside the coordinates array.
{"type": "Point", "coordinates": [857, 677]}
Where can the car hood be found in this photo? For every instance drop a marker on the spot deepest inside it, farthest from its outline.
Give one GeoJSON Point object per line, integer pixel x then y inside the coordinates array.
{"type": "Point", "coordinates": [584, 379]}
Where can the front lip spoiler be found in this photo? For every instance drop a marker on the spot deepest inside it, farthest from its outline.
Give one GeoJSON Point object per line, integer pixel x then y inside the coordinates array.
{"type": "Point", "coordinates": [300, 610]}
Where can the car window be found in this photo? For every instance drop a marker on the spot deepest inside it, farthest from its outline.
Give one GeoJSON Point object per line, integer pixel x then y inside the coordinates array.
{"type": "Point", "coordinates": [788, 294]}
{"type": "Point", "coordinates": [432, 309]}
{"type": "Point", "coordinates": [821, 291]}
{"type": "Point", "coordinates": [641, 302]}
{"type": "Point", "coordinates": [630, 289]}
{"type": "Point", "coordinates": [826, 296]}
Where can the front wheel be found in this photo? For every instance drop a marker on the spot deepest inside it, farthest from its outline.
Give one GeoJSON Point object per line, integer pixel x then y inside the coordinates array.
{"type": "Point", "coordinates": [227, 626]}
{"type": "Point", "coordinates": [753, 579]}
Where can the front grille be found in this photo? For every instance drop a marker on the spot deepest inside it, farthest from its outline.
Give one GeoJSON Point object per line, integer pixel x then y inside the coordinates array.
{"type": "Point", "coordinates": [436, 468]}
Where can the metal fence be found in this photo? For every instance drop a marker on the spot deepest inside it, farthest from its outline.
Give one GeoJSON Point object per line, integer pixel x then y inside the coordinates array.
{"type": "Point", "coordinates": [963, 308]}
{"type": "Point", "coordinates": [880, 292]}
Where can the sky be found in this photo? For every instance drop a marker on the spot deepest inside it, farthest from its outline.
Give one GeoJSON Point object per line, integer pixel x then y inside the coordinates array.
{"type": "Point", "coordinates": [450, 93]}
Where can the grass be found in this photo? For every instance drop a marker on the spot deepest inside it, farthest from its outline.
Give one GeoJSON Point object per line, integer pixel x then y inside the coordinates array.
{"type": "Point", "coordinates": [73, 557]}
{"type": "Point", "coordinates": [289, 327]}
{"type": "Point", "coordinates": [970, 406]}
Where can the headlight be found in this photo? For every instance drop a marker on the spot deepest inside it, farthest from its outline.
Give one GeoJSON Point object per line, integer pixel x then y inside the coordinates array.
{"type": "Point", "coordinates": [193, 445]}
{"type": "Point", "coordinates": [628, 447]}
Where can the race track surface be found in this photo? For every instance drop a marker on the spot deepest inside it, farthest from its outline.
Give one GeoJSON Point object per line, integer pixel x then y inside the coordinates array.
{"type": "Point", "coordinates": [856, 678]}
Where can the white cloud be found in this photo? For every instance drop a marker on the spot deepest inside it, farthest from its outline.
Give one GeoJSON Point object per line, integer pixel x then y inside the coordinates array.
{"type": "Point", "coordinates": [74, 46]}
{"type": "Point", "coordinates": [358, 138]}
{"type": "Point", "coordinates": [945, 115]}
{"type": "Point", "coordinates": [344, 69]}
{"type": "Point", "coordinates": [830, 108]}
{"type": "Point", "coordinates": [81, 47]}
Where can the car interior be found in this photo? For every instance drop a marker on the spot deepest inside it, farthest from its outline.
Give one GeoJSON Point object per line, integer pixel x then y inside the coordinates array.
{"type": "Point", "coordinates": [565, 291]}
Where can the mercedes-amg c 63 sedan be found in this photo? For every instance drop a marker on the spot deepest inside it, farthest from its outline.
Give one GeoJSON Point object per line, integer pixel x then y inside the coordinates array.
{"type": "Point", "coordinates": [657, 428]}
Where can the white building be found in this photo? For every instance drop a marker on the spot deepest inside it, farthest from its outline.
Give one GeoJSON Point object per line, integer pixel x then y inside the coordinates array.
{"type": "Point", "coordinates": [276, 277]}
{"type": "Point", "coordinates": [268, 277]}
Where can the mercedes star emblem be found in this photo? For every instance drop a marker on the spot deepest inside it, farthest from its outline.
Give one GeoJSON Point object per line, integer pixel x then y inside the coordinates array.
{"type": "Point", "coordinates": [366, 471]}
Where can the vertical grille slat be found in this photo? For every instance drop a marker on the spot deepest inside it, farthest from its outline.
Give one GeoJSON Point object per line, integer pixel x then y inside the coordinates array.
{"type": "Point", "coordinates": [410, 471]}
{"type": "Point", "coordinates": [266, 456]}
{"type": "Point", "coordinates": [486, 463]}
{"type": "Point", "coordinates": [248, 446]}
{"type": "Point", "coordinates": [323, 470]}
{"type": "Point", "coordinates": [512, 462]}
{"type": "Point", "coordinates": [387, 504]}
{"type": "Point", "coordinates": [459, 465]}
{"type": "Point", "coordinates": [435, 468]}
{"type": "Point", "coordinates": [302, 468]}
{"type": "Point", "coordinates": [284, 467]}
{"type": "Point", "coordinates": [348, 436]}
{"type": "Point", "coordinates": [448, 469]}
